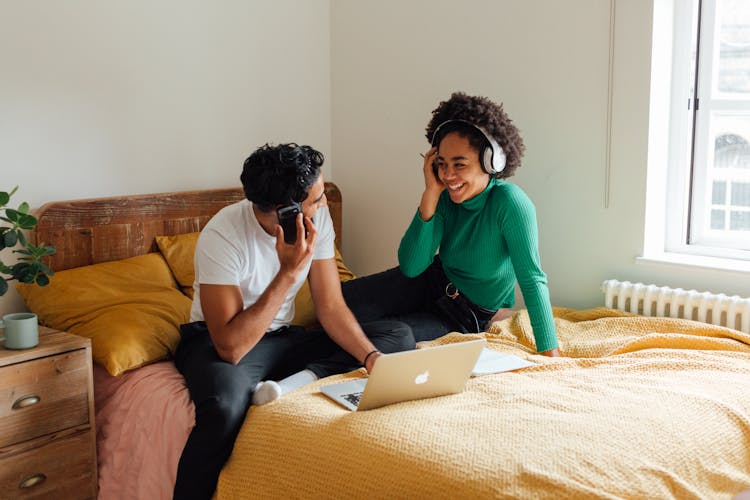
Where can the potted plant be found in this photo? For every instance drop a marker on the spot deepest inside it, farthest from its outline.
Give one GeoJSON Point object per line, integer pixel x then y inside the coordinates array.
{"type": "Point", "coordinates": [29, 268]}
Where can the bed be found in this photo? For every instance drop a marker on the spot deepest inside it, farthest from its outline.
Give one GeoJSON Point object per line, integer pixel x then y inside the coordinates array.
{"type": "Point", "coordinates": [639, 407]}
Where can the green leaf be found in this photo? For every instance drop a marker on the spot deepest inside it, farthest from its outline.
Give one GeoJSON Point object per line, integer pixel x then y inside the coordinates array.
{"type": "Point", "coordinates": [26, 221]}
{"type": "Point", "coordinates": [33, 250]}
{"type": "Point", "coordinates": [20, 270]}
{"type": "Point", "coordinates": [40, 252]}
{"type": "Point", "coordinates": [5, 269]}
{"type": "Point", "coordinates": [23, 208]}
{"type": "Point", "coordinates": [4, 199]}
{"type": "Point", "coordinates": [24, 273]}
{"type": "Point", "coordinates": [46, 270]}
{"type": "Point", "coordinates": [49, 250]}
{"type": "Point", "coordinates": [42, 280]}
{"type": "Point", "coordinates": [21, 238]}
{"type": "Point", "coordinates": [12, 215]}
{"type": "Point", "coordinates": [3, 286]}
{"type": "Point", "coordinates": [10, 239]}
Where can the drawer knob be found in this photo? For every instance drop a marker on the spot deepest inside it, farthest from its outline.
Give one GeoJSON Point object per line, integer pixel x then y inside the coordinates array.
{"type": "Point", "coordinates": [26, 401]}
{"type": "Point", "coordinates": [32, 481]}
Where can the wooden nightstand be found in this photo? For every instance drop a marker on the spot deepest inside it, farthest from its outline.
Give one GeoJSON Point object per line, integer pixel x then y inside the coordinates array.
{"type": "Point", "coordinates": [47, 432]}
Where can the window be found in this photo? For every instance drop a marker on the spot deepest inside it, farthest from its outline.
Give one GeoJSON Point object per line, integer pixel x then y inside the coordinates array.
{"type": "Point", "coordinates": [730, 187]}
{"type": "Point", "coordinates": [707, 155]}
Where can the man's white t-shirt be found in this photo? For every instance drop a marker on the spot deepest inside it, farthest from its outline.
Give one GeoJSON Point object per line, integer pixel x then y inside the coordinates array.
{"type": "Point", "coordinates": [233, 249]}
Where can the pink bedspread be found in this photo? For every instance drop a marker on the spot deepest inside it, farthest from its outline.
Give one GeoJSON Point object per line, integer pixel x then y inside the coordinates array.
{"type": "Point", "coordinates": [148, 411]}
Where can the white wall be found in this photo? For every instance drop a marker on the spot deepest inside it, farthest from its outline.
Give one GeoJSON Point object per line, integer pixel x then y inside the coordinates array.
{"type": "Point", "coordinates": [139, 96]}
{"type": "Point", "coordinates": [110, 98]}
{"type": "Point", "coordinates": [548, 61]}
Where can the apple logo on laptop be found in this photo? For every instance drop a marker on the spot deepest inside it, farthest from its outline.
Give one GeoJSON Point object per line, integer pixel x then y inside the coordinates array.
{"type": "Point", "coordinates": [422, 377]}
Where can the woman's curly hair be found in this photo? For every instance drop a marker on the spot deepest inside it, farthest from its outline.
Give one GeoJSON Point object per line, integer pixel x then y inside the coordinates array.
{"type": "Point", "coordinates": [488, 115]}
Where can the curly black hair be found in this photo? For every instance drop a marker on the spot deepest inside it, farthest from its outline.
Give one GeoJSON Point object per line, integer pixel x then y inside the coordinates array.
{"type": "Point", "coordinates": [280, 175]}
{"type": "Point", "coordinates": [486, 114]}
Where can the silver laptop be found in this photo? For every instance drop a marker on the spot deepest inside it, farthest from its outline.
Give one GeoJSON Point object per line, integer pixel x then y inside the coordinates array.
{"type": "Point", "coordinates": [410, 375]}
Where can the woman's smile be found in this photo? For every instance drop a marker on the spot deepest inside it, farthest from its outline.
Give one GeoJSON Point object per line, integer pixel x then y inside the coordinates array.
{"type": "Point", "coordinates": [459, 169]}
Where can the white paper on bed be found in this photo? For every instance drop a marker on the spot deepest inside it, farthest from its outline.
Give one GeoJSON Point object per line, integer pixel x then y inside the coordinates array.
{"type": "Point", "coordinates": [495, 362]}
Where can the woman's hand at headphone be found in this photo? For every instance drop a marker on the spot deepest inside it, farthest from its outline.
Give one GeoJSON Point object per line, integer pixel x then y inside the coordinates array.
{"type": "Point", "coordinates": [430, 170]}
{"type": "Point", "coordinates": [433, 186]}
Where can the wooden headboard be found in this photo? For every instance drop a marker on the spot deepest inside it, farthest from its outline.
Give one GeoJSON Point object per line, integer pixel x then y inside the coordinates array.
{"type": "Point", "coordinates": [94, 230]}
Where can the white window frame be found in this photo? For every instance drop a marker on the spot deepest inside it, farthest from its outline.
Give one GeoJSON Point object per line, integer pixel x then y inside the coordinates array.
{"type": "Point", "coordinates": [669, 183]}
{"type": "Point", "coordinates": [713, 104]}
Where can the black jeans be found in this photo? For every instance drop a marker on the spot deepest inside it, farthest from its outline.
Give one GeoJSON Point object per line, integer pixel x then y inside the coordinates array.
{"type": "Point", "coordinates": [414, 301]}
{"type": "Point", "coordinates": [222, 392]}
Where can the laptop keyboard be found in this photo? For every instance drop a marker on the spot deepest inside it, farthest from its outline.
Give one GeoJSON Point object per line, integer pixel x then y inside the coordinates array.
{"type": "Point", "coordinates": [353, 398]}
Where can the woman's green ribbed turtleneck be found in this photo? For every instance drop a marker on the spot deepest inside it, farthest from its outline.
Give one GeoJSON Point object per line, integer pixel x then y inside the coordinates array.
{"type": "Point", "coordinates": [486, 243]}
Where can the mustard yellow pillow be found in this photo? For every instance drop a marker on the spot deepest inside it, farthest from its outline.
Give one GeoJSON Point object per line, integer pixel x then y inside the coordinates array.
{"type": "Point", "coordinates": [179, 249]}
{"type": "Point", "coordinates": [131, 309]}
{"type": "Point", "coordinates": [304, 309]}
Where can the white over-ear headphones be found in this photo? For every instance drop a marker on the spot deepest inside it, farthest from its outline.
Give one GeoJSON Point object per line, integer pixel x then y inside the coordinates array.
{"type": "Point", "coordinates": [493, 156]}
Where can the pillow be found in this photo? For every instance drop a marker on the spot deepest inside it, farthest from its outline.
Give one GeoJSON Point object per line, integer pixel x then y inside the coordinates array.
{"type": "Point", "coordinates": [304, 309]}
{"type": "Point", "coordinates": [131, 309]}
{"type": "Point", "coordinates": [178, 250]}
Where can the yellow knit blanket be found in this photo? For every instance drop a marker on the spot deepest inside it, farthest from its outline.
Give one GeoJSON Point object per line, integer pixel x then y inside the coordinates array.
{"type": "Point", "coordinates": [638, 408]}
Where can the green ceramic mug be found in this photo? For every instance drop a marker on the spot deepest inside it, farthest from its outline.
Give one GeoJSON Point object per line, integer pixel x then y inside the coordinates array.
{"type": "Point", "coordinates": [21, 330]}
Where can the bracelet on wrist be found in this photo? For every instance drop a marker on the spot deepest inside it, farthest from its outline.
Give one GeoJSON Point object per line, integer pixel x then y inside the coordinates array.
{"type": "Point", "coordinates": [364, 361]}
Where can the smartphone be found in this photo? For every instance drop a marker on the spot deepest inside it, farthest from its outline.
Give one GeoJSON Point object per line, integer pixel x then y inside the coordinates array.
{"type": "Point", "coordinates": [288, 221]}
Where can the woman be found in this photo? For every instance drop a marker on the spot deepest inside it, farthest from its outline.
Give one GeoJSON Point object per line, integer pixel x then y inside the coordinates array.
{"type": "Point", "coordinates": [484, 228]}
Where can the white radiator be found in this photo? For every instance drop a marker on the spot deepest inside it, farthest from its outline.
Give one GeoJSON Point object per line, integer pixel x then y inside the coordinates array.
{"type": "Point", "coordinates": [652, 300]}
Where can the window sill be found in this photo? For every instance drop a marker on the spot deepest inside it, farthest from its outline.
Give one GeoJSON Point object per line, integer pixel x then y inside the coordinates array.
{"type": "Point", "coordinates": [680, 259]}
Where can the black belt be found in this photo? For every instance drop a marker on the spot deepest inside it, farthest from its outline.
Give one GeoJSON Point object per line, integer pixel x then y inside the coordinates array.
{"type": "Point", "coordinates": [454, 306]}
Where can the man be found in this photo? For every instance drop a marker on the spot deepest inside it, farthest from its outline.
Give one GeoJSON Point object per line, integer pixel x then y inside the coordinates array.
{"type": "Point", "coordinates": [246, 278]}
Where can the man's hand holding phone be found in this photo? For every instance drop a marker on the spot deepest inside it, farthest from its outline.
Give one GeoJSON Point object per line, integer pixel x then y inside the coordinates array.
{"type": "Point", "coordinates": [287, 217]}
{"type": "Point", "coordinates": [294, 252]}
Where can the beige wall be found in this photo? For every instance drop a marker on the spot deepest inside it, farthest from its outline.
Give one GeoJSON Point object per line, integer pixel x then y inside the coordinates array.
{"type": "Point", "coordinates": [548, 61]}
{"type": "Point", "coordinates": [138, 96]}
{"type": "Point", "coordinates": [113, 98]}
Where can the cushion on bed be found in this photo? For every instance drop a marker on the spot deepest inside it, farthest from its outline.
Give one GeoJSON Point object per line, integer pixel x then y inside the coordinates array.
{"type": "Point", "coordinates": [304, 309]}
{"type": "Point", "coordinates": [131, 309]}
{"type": "Point", "coordinates": [179, 249]}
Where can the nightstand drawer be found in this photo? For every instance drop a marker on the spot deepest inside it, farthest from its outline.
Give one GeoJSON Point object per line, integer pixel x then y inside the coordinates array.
{"type": "Point", "coordinates": [43, 395]}
{"type": "Point", "coordinates": [63, 469]}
